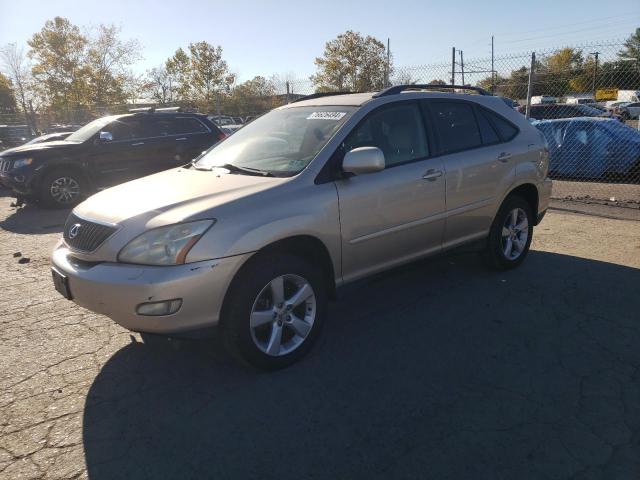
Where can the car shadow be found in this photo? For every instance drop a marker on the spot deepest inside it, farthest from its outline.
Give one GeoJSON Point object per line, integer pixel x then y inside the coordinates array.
{"type": "Point", "coordinates": [441, 369]}
{"type": "Point", "coordinates": [33, 220]}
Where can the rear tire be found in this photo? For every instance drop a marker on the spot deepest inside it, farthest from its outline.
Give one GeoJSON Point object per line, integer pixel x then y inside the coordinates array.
{"type": "Point", "coordinates": [510, 235]}
{"type": "Point", "coordinates": [274, 311]}
{"type": "Point", "coordinates": [62, 189]}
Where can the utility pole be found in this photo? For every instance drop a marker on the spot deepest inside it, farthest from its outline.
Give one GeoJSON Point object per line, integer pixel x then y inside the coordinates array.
{"type": "Point", "coordinates": [530, 86]}
{"type": "Point", "coordinates": [453, 65]}
{"type": "Point", "coordinates": [493, 72]}
{"type": "Point", "coordinates": [595, 74]}
{"type": "Point", "coordinates": [462, 66]}
{"type": "Point", "coordinates": [388, 72]}
{"type": "Point", "coordinates": [287, 85]}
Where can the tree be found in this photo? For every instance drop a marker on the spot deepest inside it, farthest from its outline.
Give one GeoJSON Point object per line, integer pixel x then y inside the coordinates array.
{"type": "Point", "coordinates": [251, 97]}
{"type": "Point", "coordinates": [437, 82]}
{"type": "Point", "coordinates": [352, 62]}
{"type": "Point", "coordinates": [631, 50]}
{"type": "Point", "coordinates": [17, 71]}
{"type": "Point", "coordinates": [159, 83]}
{"type": "Point", "coordinates": [60, 70]}
{"type": "Point", "coordinates": [201, 75]}
{"type": "Point", "coordinates": [7, 95]}
{"type": "Point", "coordinates": [108, 59]}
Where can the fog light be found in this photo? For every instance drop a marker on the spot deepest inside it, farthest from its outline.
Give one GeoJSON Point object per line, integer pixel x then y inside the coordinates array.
{"type": "Point", "coordinates": [159, 308]}
{"type": "Point", "coordinates": [19, 178]}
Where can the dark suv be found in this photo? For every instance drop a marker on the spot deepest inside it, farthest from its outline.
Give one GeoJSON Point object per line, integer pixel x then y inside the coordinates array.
{"type": "Point", "coordinates": [105, 152]}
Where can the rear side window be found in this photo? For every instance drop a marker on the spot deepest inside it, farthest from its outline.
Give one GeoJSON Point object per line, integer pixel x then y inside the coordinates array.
{"type": "Point", "coordinates": [505, 129]}
{"type": "Point", "coordinates": [487, 132]}
{"type": "Point", "coordinates": [182, 125]}
{"type": "Point", "coordinates": [396, 130]}
{"type": "Point", "coordinates": [456, 126]}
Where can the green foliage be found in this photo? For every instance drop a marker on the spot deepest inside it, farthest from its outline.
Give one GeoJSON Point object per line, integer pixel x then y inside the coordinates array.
{"type": "Point", "coordinates": [201, 75]}
{"type": "Point", "coordinates": [253, 96]}
{"type": "Point", "coordinates": [7, 95]}
{"type": "Point", "coordinates": [352, 62]}
{"type": "Point", "coordinates": [72, 69]}
{"type": "Point", "coordinates": [631, 49]}
{"type": "Point", "coordinates": [60, 69]}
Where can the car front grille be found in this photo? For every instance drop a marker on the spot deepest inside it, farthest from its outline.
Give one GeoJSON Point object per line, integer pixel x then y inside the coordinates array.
{"type": "Point", "coordinates": [85, 236]}
{"type": "Point", "coordinates": [5, 165]}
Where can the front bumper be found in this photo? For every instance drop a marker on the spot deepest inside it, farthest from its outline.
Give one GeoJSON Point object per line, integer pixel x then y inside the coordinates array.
{"type": "Point", "coordinates": [18, 181]}
{"type": "Point", "coordinates": [116, 289]}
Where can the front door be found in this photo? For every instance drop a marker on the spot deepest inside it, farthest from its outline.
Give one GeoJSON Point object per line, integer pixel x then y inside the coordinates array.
{"type": "Point", "coordinates": [122, 158]}
{"type": "Point", "coordinates": [397, 214]}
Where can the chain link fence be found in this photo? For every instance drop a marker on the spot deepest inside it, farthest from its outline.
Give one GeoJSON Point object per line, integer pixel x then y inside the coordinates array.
{"type": "Point", "coordinates": [584, 99]}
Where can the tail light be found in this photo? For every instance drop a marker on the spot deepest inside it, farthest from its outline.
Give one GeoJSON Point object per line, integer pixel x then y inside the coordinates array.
{"type": "Point", "coordinates": [221, 135]}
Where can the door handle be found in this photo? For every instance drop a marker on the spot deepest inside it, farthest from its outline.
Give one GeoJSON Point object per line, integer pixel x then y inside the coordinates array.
{"type": "Point", "coordinates": [432, 174]}
{"type": "Point", "coordinates": [180, 139]}
{"type": "Point", "coordinates": [504, 157]}
{"type": "Point", "coordinates": [137, 144]}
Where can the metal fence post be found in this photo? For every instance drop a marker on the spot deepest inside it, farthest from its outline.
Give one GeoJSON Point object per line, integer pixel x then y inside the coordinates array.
{"type": "Point", "coordinates": [530, 85]}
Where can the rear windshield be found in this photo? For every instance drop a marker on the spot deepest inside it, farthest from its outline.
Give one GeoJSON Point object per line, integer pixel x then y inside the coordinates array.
{"type": "Point", "coordinates": [281, 142]}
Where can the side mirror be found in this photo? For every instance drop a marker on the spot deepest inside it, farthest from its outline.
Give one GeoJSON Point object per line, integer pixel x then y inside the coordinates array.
{"type": "Point", "coordinates": [363, 160]}
{"type": "Point", "coordinates": [106, 137]}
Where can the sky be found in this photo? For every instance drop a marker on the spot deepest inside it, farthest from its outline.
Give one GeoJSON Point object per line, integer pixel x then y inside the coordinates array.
{"type": "Point", "coordinates": [275, 37]}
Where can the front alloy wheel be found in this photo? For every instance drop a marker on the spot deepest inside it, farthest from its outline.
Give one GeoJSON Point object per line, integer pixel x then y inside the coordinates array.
{"type": "Point", "coordinates": [274, 310]}
{"type": "Point", "coordinates": [282, 315]}
{"type": "Point", "coordinates": [65, 190]}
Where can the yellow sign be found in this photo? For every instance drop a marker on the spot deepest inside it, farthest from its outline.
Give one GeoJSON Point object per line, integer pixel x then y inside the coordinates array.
{"type": "Point", "coordinates": [606, 94]}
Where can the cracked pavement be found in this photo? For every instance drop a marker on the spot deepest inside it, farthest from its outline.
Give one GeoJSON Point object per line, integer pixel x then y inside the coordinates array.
{"type": "Point", "coordinates": [441, 369]}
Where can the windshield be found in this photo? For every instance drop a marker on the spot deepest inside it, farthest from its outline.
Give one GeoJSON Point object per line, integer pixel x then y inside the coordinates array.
{"type": "Point", "coordinates": [281, 142]}
{"type": "Point", "coordinates": [89, 130]}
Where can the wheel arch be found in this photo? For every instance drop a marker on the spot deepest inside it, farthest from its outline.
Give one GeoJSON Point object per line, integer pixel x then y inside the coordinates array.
{"type": "Point", "coordinates": [307, 247]}
{"type": "Point", "coordinates": [530, 193]}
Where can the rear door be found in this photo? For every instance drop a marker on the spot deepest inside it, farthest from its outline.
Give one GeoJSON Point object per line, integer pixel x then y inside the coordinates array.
{"type": "Point", "coordinates": [192, 137]}
{"type": "Point", "coordinates": [396, 214]}
{"type": "Point", "coordinates": [479, 165]}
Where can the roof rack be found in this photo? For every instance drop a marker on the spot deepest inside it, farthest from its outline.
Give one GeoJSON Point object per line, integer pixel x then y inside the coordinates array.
{"type": "Point", "coordinates": [154, 109]}
{"type": "Point", "coordinates": [319, 95]}
{"type": "Point", "coordinates": [421, 86]}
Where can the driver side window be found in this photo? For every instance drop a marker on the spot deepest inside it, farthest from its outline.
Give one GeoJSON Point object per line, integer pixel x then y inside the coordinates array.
{"type": "Point", "coordinates": [126, 129]}
{"type": "Point", "coordinates": [397, 130]}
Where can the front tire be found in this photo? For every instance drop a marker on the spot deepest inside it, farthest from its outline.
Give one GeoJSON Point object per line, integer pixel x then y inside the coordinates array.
{"type": "Point", "coordinates": [510, 235]}
{"type": "Point", "coordinates": [274, 311]}
{"type": "Point", "coordinates": [62, 189]}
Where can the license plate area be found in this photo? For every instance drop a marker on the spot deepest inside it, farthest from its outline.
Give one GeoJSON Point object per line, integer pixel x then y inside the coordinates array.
{"type": "Point", "coordinates": [61, 283]}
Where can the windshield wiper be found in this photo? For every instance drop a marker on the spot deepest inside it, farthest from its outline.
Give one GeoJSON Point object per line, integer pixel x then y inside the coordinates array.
{"type": "Point", "coordinates": [234, 168]}
{"type": "Point", "coordinates": [247, 170]}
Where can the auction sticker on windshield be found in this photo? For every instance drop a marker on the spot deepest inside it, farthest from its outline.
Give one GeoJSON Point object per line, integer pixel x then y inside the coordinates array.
{"type": "Point", "coordinates": [326, 115]}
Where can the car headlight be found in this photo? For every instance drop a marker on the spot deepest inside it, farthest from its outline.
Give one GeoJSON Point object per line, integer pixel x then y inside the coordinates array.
{"type": "Point", "coordinates": [22, 162]}
{"type": "Point", "coordinates": [165, 245]}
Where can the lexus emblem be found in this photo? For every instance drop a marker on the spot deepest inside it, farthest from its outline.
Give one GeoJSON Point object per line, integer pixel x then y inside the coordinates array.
{"type": "Point", "coordinates": [74, 230]}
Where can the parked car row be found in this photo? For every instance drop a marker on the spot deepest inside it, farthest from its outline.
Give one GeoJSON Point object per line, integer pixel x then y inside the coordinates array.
{"type": "Point", "coordinates": [105, 152]}
{"type": "Point", "coordinates": [592, 148]}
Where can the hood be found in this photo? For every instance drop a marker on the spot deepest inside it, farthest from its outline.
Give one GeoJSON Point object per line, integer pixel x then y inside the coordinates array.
{"type": "Point", "coordinates": [38, 147]}
{"type": "Point", "coordinates": [171, 196]}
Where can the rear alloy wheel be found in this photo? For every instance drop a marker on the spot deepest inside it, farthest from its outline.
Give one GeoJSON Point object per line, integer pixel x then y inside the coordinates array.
{"type": "Point", "coordinates": [61, 190]}
{"type": "Point", "coordinates": [274, 311]}
{"type": "Point", "coordinates": [510, 235]}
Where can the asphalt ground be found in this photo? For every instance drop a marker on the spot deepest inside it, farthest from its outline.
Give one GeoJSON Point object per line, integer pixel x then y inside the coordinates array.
{"type": "Point", "coordinates": [438, 370]}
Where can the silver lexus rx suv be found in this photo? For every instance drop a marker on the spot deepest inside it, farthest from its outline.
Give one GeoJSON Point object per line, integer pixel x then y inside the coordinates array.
{"type": "Point", "coordinates": [254, 236]}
